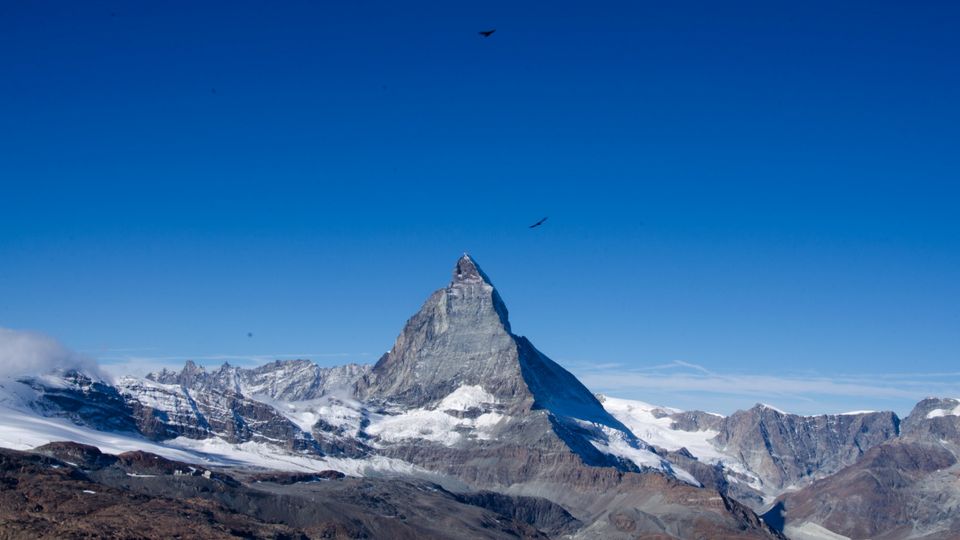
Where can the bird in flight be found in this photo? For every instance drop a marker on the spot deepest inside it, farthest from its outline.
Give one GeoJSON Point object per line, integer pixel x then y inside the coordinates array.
{"type": "Point", "coordinates": [539, 223]}
{"type": "Point", "coordinates": [487, 33]}
{"type": "Point", "coordinates": [249, 334]}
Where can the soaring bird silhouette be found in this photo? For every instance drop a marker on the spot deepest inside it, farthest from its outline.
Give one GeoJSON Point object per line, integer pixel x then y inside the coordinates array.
{"type": "Point", "coordinates": [539, 223]}
{"type": "Point", "coordinates": [487, 33]}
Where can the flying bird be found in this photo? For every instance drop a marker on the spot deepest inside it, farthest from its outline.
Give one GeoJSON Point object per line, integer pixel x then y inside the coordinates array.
{"type": "Point", "coordinates": [539, 223]}
{"type": "Point", "coordinates": [487, 33]}
{"type": "Point", "coordinates": [249, 334]}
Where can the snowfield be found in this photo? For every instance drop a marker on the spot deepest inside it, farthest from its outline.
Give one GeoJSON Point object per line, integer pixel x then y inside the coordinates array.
{"type": "Point", "coordinates": [937, 413]}
{"type": "Point", "coordinates": [640, 417]}
{"type": "Point", "coordinates": [438, 425]}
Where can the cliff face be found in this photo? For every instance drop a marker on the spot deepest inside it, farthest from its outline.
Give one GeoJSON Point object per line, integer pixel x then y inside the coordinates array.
{"type": "Point", "coordinates": [907, 487]}
{"type": "Point", "coordinates": [787, 450]}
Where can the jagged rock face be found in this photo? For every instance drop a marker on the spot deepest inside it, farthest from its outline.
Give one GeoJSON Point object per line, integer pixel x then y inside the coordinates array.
{"type": "Point", "coordinates": [198, 404]}
{"type": "Point", "coordinates": [898, 490]}
{"type": "Point", "coordinates": [163, 412]}
{"type": "Point", "coordinates": [461, 336]}
{"type": "Point", "coordinates": [167, 411]}
{"type": "Point", "coordinates": [290, 380]}
{"type": "Point", "coordinates": [84, 400]}
{"type": "Point", "coordinates": [784, 449]}
{"type": "Point", "coordinates": [695, 421]}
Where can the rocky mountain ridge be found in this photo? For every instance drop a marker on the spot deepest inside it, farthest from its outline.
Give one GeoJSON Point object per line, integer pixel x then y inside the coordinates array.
{"type": "Point", "coordinates": [906, 487]}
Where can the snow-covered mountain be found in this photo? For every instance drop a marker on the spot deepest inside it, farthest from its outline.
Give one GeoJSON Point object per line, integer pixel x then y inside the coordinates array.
{"type": "Point", "coordinates": [459, 399]}
{"type": "Point", "coordinates": [463, 401]}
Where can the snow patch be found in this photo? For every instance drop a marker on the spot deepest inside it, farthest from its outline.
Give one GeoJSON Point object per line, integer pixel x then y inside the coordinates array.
{"type": "Point", "coordinates": [341, 412]}
{"type": "Point", "coordinates": [617, 443]}
{"type": "Point", "coordinates": [465, 398]}
{"type": "Point", "coordinates": [266, 456]}
{"type": "Point", "coordinates": [937, 413]}
{"type": "Point", "coordinates": [436, 424]}
{"type": "Point", "coordinates": [642, 419]}
{"type": "Point", "coordinates": [639, 417]}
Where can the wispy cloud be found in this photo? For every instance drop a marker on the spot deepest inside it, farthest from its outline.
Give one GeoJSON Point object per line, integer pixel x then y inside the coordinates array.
{"type": "Point", "coordinates": [807, 393]}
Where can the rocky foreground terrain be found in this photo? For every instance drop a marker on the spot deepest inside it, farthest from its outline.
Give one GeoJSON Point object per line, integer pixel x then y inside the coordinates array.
{"type": "Point", "coordinates": [462, 430]}
{"type": "Point", "coordinates": [68, 490]}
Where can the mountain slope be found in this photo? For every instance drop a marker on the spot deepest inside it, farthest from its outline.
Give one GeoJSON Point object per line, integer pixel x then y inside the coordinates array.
{"type": "Point", "coordinates": [757, 454]}
{"type": "Point", "coordinates": [908, 487]}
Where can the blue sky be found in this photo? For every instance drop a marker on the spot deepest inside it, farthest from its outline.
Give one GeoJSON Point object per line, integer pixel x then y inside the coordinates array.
{"type": "Point", "coordinates": [748, 201]}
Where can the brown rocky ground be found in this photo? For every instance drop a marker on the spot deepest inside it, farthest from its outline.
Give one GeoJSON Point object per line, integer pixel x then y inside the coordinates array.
{"type": "Point", "coordinates": [67, 490]}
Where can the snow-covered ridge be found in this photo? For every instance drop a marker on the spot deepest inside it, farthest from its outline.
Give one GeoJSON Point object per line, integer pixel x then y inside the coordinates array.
{"type": "Point", "coordinates": [652, 424]}
{"type": "Point", "coordinates": [23, 430]}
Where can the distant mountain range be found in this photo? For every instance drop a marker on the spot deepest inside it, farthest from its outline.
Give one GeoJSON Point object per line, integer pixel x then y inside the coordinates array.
{"type": "Point", "coordinates": [467, 424]}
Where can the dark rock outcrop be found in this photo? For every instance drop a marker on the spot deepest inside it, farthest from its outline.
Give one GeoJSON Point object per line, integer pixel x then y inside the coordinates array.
{"type": "Point", "coordinates": [135, 497]}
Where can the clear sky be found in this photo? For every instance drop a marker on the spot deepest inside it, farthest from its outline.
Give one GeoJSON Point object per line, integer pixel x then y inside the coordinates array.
{"type": "Point", "coordinates": [747, 201]}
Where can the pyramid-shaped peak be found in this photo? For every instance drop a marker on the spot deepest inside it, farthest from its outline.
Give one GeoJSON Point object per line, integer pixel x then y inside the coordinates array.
{"type": "Point", "coordinates": [468, 271]}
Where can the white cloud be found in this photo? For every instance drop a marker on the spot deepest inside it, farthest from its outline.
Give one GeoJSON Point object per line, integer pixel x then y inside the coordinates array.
{"type": "Point", "coordinates": [26, 353]}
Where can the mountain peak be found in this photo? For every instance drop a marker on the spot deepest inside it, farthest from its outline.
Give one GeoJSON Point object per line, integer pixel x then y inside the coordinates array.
{"type": "Point", "coordinates": [467, 271]}
{"type": "Point", "coordinates": [190, 367]}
